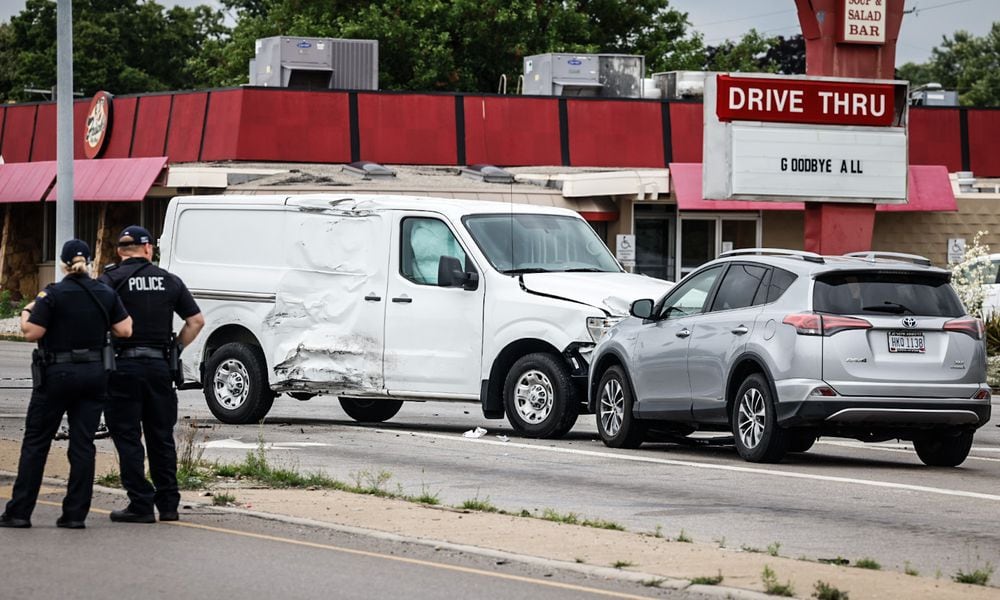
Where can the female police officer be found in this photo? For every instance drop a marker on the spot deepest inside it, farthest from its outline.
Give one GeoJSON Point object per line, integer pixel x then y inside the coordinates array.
{"type": "Point", "coordinates": [70, 320]}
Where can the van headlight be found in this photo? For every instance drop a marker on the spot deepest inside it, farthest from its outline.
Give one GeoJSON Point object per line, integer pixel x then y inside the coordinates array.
{"type": "Point", "coordinates": [598, 326]}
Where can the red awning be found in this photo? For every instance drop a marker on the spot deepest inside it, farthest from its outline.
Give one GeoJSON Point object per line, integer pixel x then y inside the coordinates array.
{"type": "Point", "coordinates": [114, 179]}
{"type": "Point", "coordinates": [26, 182]}
{"type": "Point", "coordinates": [929, 189]}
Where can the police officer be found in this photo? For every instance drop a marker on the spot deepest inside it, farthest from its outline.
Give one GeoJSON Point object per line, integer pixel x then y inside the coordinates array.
{"type": "Point", "coordinates": [70, 321]}
{"type": "Point", "coordinates": [142, 397]}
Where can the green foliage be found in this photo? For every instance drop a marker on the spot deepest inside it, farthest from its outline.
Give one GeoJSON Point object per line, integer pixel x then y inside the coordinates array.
{"type": "Point", "coordinates": [868, 563]}
{"type": "Point", "coordinates": [773, 548]}
{"type": "Point", "coordinates": [963, 62]}
{"type": "Point", "coordinates": [476, 504]}
{"type": "Point", "coordinates": [979, 576]}
{"type": "Point", "coordinates": [825, 591]}
{"type": "Point", "coordinates": [110, 479]}
{"type": "Point", "coordinates": [621, 564]}
{"type": "Point", "coordinates": [708, 580]}
{"type": "Point", "coordinates": [748, 54]}
{"type": "Point", "coordinates": [992, 326]}
{"type": "Point", "coordinates": [968, 276]}
{"type": "Point", "coordinates": [223, 499]}
{"type": "Point", "coordinates": [909, 570]}
{"type": "Point", "coordinates": [9, 307]}
{"type": "Point", "coordinates": [122, 46]}
{"type": "Point", "coordinates": [771, 585]}
{"type": "Point", "coordinates": [683, 537]}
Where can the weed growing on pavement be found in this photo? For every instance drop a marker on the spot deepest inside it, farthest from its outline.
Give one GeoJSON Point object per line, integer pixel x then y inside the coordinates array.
{"type": "Point", "coordinates": [579, 560]}
{"type": "Point", "coordinates": [110, 479]}
{"type": "Point", "coordinates": [570, 518]}
{"type": "Point", "coordinates": [771, 585]}
{"type": "Point", "coordinates": [721, 542]}
{"type": "Point", "coordinates": [773, 548]}
{"type": "Point", "coordinates": [708, 580]}
{"type": "Point", "coordinates": [840, 561]}
{"type": "Point", "coordinates": [425, 497]}
{"type": "Point", "coordinates": [683, 537]}
{"type": "Point", "coordinates": [909, 570]}
{"type": "Point", "coordinates": [977, 577]}
{"type": "Point", "coordinates": [483, 505]}
{"type": "Point", "coordinates": [223, 499]}
{"type": "Point", "coordinates": [868, 563]}
{"type": "Point", "coordinates": [658, 532]}
{"type": "Point", "coordinates": [824, 591]}
{"type": "Point", "coordinates": [751, 549]}
{"type": "Point", "coordinates": [192, 470]}
{"type": "Point", "coordinates": [602, 524]}
{"type": "Point", "coordinates": [621, 564]}
{"type": "Point", "coordinates": [656, 582]}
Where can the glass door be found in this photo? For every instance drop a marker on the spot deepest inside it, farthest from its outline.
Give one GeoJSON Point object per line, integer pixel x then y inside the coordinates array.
{"type": "Point", "coordinates": [703, 237]}
{"type": "Point", "coordinates": [655, 240]}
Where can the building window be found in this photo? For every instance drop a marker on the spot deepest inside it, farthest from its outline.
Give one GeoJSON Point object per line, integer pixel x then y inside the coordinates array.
{"type": "Point", "coordinates": [655, 233]}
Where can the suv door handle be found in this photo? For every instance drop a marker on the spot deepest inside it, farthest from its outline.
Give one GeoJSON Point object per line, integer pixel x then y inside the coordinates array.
{"type": "Point", "coordinates": [403, 300]}
{"type": "Point", "coordinates": [683, 333]}
{"type": "Point", "coordinates": [741, 330]}
{"type": "Point", "coordinates": [373, 298]}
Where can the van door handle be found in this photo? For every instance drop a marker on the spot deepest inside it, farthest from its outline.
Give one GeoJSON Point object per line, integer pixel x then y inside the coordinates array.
{"type": "Point", "coordinates": [741, 330]}
{"type": "Point", "coordinates": [373, 298]}
{"type": "Point", "coordinates": [403, 300]}
{"type": "Point", "coordinates": [683, 333]}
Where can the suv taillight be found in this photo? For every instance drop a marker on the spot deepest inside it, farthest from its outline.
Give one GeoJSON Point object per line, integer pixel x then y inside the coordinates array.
{"type": "Point", "coordinates": [970, 326]}
{"type": "Point", "coordinates": [816, 324]}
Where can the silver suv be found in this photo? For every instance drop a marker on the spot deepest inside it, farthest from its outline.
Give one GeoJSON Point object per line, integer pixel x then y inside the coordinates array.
{"type": "Point", "coordinates": [781, 347]}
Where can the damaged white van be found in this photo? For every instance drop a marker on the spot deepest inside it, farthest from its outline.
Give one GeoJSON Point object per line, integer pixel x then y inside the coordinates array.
{"type": "Point", "coordinates": [384, 299]}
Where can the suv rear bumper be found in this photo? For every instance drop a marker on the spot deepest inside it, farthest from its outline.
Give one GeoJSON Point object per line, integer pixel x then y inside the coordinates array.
{"type": "Point", "coordinates": [882, 412]}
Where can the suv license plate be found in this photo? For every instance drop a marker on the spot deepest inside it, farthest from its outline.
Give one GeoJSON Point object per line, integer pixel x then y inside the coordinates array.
{"type": "Point", "coordinates": [906, 341]}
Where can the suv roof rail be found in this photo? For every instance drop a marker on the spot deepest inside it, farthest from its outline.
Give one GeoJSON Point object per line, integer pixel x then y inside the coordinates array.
{"type": "Point", "coordinates": [807, 256]}
{"type": "Point", "coordinates": [873, 255]}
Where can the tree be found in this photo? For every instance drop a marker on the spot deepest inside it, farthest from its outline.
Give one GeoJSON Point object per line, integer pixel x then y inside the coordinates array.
{"type": "Point", "coordinates": [788, 55]}
{"type": "Point", "coordinates": [462, 45]}
{"type": "Point", "coordinates": [748, 55]}
{"type": "Point", "coordinates": [964, 62]}
{"type": "Point", "coordinates": [123, 46]}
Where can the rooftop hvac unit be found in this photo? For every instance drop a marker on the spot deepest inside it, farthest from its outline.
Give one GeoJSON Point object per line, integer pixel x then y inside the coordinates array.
{"type": "Point", "coordinates": [678, 85]}
{"type": "Point", "coordinates": [604, 75]}
{"type": "Point", "coordinates": [315, 63]}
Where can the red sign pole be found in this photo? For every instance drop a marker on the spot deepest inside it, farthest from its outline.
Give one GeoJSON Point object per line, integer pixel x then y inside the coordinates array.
{"type": "Point", "coordinates": [839, 228]}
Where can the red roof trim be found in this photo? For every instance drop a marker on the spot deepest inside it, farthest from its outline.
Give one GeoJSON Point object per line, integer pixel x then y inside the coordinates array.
{"type": "Point", "coordinates": [26, 182]}
{"type": "Point", "coordinates": [114, 179]}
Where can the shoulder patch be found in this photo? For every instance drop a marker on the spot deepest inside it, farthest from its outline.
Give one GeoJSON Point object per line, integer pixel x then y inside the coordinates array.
{"type": "Point", "coordinates": [41, 295]}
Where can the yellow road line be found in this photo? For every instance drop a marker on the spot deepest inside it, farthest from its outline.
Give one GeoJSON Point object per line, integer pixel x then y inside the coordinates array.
{"type": "Point", "coordinates": [411, 561]}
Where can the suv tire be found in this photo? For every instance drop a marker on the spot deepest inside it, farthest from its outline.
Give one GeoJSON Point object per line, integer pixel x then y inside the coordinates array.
{"type": "Point", "coordinates": [236, 386]}
{"type": "Point", "coordinates": [370, 410]}
{"type": "Point", "coordinates": [944, 449]}
{"type": "Point", "coordinates": [539, 397]}
{"type": "Point", "coordinates": [755, 429]}
{"type": "Point", "coordinates": [616, 424]}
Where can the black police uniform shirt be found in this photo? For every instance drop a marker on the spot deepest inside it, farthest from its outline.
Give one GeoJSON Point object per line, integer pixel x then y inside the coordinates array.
{"type": "Point", "coordinates": [71, 318]}
{"type": "Point", "coordinates": [152, 295]}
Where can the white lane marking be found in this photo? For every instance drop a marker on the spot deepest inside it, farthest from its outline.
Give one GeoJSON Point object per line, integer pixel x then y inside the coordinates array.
{"type": "Point", "coordinates": [902, 448]}
{"type": "Point", "coordinates": [709, 466]}
{"type": "Point", "coordinates": [231, 444]}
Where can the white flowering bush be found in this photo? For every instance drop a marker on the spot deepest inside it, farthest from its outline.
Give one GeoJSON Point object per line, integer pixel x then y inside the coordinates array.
{"type": "Point", "coordinates": [969, 276]}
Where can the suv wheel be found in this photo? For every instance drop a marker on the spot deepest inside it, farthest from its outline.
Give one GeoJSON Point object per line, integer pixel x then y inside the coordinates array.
{"type": "Point", "coordinates": [236, 388]}
{"type": "Point", "coordinates": [615, 423]}
{"type": "Point", "coordinates": [755, 429]}
{"type": "Point", "coordinates": [539, 398]}
{"type": "Point", "coordinates": [944, 449]}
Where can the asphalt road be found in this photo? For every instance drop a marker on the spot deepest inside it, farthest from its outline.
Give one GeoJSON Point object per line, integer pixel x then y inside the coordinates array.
{"type": "Point", "coordinates": [841, 499]}
{"type": "Point", "coordinates": [213, 555]}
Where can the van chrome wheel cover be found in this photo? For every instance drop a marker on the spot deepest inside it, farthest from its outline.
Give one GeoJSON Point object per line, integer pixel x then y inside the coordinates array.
{"type": "Point", "coordinates": [751, 418]}
{"type": "Point", "coordinates": [232, 384]}
{"type": "Point", "coordinates": [533, 396]}
{"type": "Point", "coordinates": [612, 409]}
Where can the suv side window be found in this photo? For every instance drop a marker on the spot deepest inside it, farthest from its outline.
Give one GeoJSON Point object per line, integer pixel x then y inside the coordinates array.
{"type": "Point", "coordinates": [689, 297]}
{"type": "Point", "coordinates": [424, 241]}
{"type": "Point", "coordinates": [780, 281]}
{"type": "Point", "coordinates": [739, 286]}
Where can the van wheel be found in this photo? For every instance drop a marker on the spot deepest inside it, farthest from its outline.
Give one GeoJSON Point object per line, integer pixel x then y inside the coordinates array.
{"type": "Point", "coordinates": [539, 397]}
{"type": "Point", "coordinates": [755, 429]}
{"type": "Point", "coordinates": [237, 390]}
{"type": "Point", "coordinates": [944, 449]}
{"type": "Point", "coordinates": [616, 424]}
{"type": "Point", "coordinates": [366, 410]}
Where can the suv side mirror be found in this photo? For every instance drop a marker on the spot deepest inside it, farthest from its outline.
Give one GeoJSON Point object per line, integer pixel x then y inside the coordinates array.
{"type": "Point", "coordinates": [452, 274]}
{"type": "Point", "coordinates": [642, 309]}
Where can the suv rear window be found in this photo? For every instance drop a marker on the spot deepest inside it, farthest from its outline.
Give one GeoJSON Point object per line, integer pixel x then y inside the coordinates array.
{"type": "Point", "coordinates": [886, 293]}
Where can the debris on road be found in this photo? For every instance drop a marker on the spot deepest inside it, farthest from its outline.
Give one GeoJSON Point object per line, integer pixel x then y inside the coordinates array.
{"type": "Point", "coordinates": [478, 432]}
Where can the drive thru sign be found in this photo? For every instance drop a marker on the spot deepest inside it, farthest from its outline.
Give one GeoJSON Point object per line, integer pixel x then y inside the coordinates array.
{"type": "Point", "coordinates": [819, 139]}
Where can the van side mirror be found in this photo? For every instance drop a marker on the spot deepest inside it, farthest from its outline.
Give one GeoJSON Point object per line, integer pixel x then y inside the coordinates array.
{"type": "Point", "coordinates": [642, 309]}
{"type": "Point", "coordinates": [451, 273]}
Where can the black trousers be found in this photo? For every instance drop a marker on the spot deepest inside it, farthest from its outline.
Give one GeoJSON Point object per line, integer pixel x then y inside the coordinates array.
{"type": "Point", "coordinates": [143, 404]}
{"type": "Point", "coordinates": [77, 390]}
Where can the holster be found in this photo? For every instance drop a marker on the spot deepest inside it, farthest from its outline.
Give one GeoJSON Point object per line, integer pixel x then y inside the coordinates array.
{"type": "Point", "coordinates": [174, 362]}
{"type": "Point", "coordinates": [37, 369]}
{"type": "Point", "coordinates": [108, 354]}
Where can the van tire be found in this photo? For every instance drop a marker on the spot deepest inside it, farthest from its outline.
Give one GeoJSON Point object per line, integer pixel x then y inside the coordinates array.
{"type": "Point", "coordinates": [241, 395]}
{"type": "Point", "coordinates": [756, 432]}
{"type": "Point", "coordinates": [373, 410]}
{"type": "Point", "coordinates": [944, 449]}
{"type": "Point", "coordinates": [539, 396]}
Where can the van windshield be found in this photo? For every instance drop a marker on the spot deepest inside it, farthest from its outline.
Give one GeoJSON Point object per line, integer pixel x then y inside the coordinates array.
{"type": "Point", "coordinates": [533, 243]}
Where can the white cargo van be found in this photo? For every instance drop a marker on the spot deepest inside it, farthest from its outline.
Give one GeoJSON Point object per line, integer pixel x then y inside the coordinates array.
{"type": "Point", "coordinates": [382, 299]}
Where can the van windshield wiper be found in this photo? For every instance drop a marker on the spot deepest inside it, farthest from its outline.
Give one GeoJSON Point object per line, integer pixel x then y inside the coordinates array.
{"type": "Point", "coordinates": [585, 270]}
{"type": "Point", "coordinates": [525, 270]}
{"type": "Point", "coordinates": [889, 307]}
